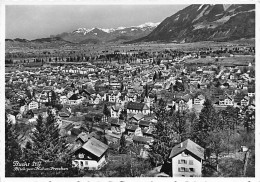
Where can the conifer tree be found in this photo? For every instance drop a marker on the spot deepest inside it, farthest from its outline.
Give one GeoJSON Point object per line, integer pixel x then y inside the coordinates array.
{"type": "Point", "coordinates": [163, 136]}
{"type": "Point", "coordinates": [106, 111]}
{"type": "Point", "coordinates": [48, 148]}
{"type": "Point", "coordinates": [206, 123]}
{"type": "Point", "coordinates": [123, 147]}
{"type": "Point", "coordinates": [12, 149]}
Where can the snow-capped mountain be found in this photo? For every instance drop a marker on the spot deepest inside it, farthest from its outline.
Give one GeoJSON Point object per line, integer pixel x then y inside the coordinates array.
{"type": "Point", "coordinates": [82, 35]}
{"type": "Point", "coordinates": [145, 26]}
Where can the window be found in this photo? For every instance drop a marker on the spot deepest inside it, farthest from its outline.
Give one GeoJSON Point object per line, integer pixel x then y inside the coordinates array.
{"type": "Point", "coordinates": [181, 169]}
{"type": "Point", "coordinates": [191, 169]}
{"type": "Point", "coordinates": [190, 162]}
{"type": "Point", "coordinates": [81, 156]}
{"type": "Point", "coordinates": [182, 161]}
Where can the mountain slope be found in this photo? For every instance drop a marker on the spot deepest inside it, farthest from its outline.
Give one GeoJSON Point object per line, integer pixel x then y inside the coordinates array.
{"type": "Point", "coordinates": [206, 22]}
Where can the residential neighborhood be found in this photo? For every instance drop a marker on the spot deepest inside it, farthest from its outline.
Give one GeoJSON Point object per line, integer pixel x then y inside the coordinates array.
{"type": "Point", "coordinates": [170, 99]}
{"type": "Point", "coordinates": [95, 108]}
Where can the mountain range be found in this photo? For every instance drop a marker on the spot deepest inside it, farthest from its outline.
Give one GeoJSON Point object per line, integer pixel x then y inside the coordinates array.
{"type": "Point", "coordinates": [206, 22]}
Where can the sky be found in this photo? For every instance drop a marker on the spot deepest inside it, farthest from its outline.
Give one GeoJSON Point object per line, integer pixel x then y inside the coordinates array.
{"type": "Point", "coordinates": [38, 21]}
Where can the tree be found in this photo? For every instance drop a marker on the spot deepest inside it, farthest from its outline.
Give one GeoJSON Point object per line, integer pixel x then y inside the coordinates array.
{"type": "Point", "coordinates": [146, 90]}
{"type": "Point", "coordinates": [12, 149]}
{"type": "Point", "coordinates": [216, 145]}
{"type": "Point", "coordinates": [179, 124]}
{"type": "Point", "coordinates": [49, 149]}
{"type": "Point", "coordinates": [53, 98]}
{"type": "Point", "coordinates": [50, 118]}
{"type": "Point", "coordinates": [164, 137]}
{"type": "Point", "coordinates": [249, 120]}
{"type": "Point", "coordinates": [207, 122]}
{"type": "Point", "coordinates": [106, 111]}
{"type": "Point", "coordinates": [123, 114]}
{"type": "Point", "coordinates": [123, 148]}
{"type": "Point", "coordinates": [154, 76]}
{"type": "Point", "coordinates": [28, 94]}
{"type": "Point", "coordinates": [122, 87]}
{"type": "Point", "coordinates": [155, 98]}
{"type": "Point", "coordinates": [160, 75]}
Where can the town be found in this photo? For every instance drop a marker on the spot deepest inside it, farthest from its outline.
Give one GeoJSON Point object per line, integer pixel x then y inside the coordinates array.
{"type": "Point", "coordinates": [132, 111]}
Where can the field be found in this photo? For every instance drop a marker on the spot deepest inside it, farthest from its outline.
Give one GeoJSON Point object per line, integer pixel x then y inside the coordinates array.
{"type": "Point", "coordinates": [186, 46]}
{"type": "Point", "coordinates": [225, 60]}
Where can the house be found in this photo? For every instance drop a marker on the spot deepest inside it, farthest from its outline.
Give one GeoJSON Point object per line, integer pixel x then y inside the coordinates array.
{"type": "Point", "coordinates": [102, 96]}
{"type": "Point", "coordinates": [145, 124]}
{"type": "Point", "coordinates": [114, 85]}
{"type": "Point", "coordinates": [199, 100]}
{"type": "Point", "coordinates": [23, 109]}
{"type": "Point", "coordinates": [42, 111]}
{"type": "Point", "coordinates": [133, 129]}
{"type": "Point", "coordinates": [137, 118]}
{"type": "Point", "coordinates": [130, 97]}
{"type": "Point", "coordinates": [202, 85]}
{"type": "Point", "coordinates": [182, 103]}
{"type": "Point", "coordinates": [82, 138]}
{"type": "Point", "coordinates": [65, 112]}
{"type": "Point", "coordinates": [95, 100]}
{"type": "Point", "coordinates": [63, 99]}
{"type": "Point", "coordinates": [33, 105]}
{"type": "Point", "coordinates": [118, 126]}
{"type": "Point", "coordinates": [135, 107]}
{"type": "Point", "coordinates": [115, 111]}
{"type": "Point", "coordinates": [112, 138]}
{"type": "Point", "coordinates": [245, 101]}
{"type": "Point", "coordinates": [90, 155]}
{"type": "Point", "coordinates": [11, 118]}
{"type": "Point", "coordinates": [142, 140]}
{"type": "Point", "coordinates": [113, 96]}
{"type": "Point", "coordinates": [186, 159]}
{"type": "Point", "coordinates": [43, 99]}
{"type": "Point", "coordinates": [75, 99]}
{"type": "Point", "coordinates": [251, 92]}
{"type": "Point", "coordinates": [226, 101]}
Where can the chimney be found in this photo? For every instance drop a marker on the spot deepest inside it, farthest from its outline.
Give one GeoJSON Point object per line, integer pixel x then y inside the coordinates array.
{"type": "Point", "coordinates": [181, 144]}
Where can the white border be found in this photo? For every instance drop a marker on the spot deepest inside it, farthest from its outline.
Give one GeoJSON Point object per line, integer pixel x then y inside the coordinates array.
{"type": "Point", "coordinates": [124, 2]}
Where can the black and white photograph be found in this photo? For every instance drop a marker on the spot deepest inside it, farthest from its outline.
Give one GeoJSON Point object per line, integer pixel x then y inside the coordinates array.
{"type": "Point", "coordinates": [129, 90]}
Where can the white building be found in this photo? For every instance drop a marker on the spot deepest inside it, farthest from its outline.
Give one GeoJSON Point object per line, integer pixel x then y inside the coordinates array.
{"type": "Point", "coordinates": [135, 108]}
{"type": "Point", "coordinates": [187, 159]}
{"type": "Point", "coordinates": [33, 105]}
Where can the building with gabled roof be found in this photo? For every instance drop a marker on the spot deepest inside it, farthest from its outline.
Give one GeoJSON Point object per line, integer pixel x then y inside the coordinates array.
{"type": "Point", "coordinates": [186, 159]}
{"type": "Point", "coordinates": [135, 107]}
{"type": "Point", "coordinates": [90, 155]}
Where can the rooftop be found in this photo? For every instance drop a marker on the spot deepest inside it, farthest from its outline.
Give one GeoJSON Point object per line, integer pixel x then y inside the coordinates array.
{"type": "Point", "coordinates": [190, 146]}
{"type": "Point", "coordinates": [95, 147]}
